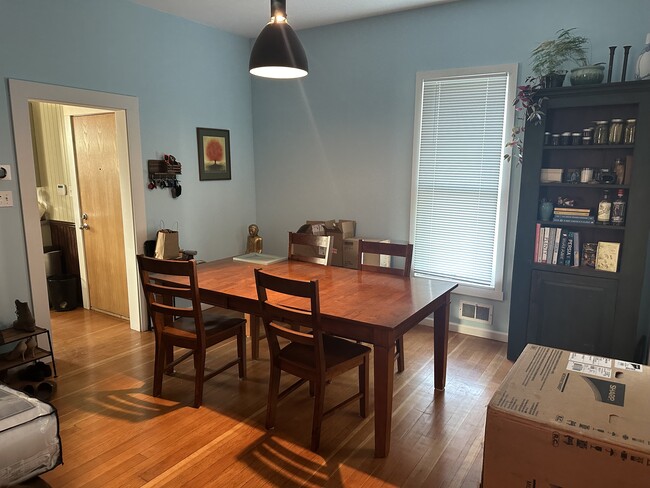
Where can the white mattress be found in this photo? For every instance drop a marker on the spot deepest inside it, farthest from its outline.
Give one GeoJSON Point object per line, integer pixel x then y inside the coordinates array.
{"type": "Point", "coordinates": [29, 437]}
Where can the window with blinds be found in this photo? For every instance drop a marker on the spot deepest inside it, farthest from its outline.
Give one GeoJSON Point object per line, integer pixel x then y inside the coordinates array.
{"type": "Point", "coordinates": [460, 180]}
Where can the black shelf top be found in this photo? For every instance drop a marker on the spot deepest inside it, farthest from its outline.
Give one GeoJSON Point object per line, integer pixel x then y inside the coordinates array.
{"type": "Point", "coordinates": [575, 270]}
{"type": "Point", "coordinates": [552, 223]}
{"type": "Point", "coordinates": [589, 147]}
{"type": "Point", "coordinates": [600, 186]}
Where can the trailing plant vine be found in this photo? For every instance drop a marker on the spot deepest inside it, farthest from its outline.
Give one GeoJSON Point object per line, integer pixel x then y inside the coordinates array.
{"type": "Point", "coordinates": [528, 108]}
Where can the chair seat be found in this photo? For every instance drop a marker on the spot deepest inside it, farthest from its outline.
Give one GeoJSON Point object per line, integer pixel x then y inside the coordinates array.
{"type": "Point", "coordinates": [337, 351]}
{"type": "Point", "coordinates": [215, 319]}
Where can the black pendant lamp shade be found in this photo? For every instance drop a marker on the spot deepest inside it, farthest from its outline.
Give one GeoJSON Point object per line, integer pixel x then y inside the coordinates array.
{"type": "Point", "coordinates": [277, 52]}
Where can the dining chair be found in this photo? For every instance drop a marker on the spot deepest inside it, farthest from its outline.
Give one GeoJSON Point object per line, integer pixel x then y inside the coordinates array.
{"type": "Point", "coordinates": [311, 356]}
{"type": "Point", "coordinates": [185, 325]}
{"type": "Point", "coordinates": [404, 251]}
{"type": "Point", "coordinates": [302, 247]}
{"type": "Point", "coordinates": [310, 248]}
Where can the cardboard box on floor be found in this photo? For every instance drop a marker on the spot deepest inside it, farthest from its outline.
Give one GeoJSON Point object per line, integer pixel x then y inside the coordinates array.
{"type": "Point", "coordinates": [351, 254]}
{"type": "Point", "coordinates": [339, 230]}
{"type": "Point", "coordinates": [568, 420]}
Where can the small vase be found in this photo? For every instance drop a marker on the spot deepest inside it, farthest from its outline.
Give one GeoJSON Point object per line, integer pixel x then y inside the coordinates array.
{"type": "Point", "coordinates": [545, 211]}
{"type": "Point", "coordinates": [587, 75]}
{"type": "Point", "coordinates": [642, 71]}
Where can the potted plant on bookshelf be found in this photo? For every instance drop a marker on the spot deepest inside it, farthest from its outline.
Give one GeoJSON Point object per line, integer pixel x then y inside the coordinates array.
{"type": "Point", "coordinates": [550, 57]}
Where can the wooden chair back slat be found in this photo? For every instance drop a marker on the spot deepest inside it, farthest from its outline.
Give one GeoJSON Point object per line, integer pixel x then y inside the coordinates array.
{"type": "Point", "coordinates": [387, 248]}
{"type": "Point", "coordinates": [299, 243]}
{"type": "Point", "coordinates": [282, 319]}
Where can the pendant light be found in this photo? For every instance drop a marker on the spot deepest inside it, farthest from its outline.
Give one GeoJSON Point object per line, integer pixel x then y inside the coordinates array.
{"type": "Point", "coordinates": [277, 52]}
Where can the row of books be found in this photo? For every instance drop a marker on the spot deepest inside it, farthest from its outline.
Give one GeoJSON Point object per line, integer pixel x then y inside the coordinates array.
{"type": "Point", "coordinates": [573, 215]}
{"type": "Point", "coordinates": [554, 245]}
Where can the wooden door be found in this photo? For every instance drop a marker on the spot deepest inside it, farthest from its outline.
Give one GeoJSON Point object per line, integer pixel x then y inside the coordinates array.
{"type": "Point", "coordinates": [95, 143]}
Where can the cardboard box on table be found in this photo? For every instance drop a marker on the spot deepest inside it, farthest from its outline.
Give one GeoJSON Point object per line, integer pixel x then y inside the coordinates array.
{"type": "Point", "coordinates": [569, 420]}
{"type": "Point", "coordinates": [351, 254]}
{"type": "Point", "coordinates": [339, 230]}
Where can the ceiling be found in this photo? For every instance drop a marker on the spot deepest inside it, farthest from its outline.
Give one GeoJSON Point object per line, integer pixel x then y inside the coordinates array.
{"type": "Point", "coordinates": [247, 17]}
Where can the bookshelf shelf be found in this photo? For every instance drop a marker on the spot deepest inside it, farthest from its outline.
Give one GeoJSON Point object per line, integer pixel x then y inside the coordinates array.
{"type": "Point", "coordinates": [590, 147]}
{"type": "Point", "coordinates": [580, 308]}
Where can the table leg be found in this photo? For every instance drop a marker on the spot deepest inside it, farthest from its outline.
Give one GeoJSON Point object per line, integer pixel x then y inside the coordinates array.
{"type": "Point", "coordinates": [255, 324]}
{"type": "Point", "coordinates": [440, 339]}
{"type": "Point", "coordinates": [383, 371]}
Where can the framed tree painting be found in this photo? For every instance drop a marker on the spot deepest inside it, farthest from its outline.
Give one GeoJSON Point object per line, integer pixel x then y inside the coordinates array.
{"type": "Point", "coordinates": [214, 154]}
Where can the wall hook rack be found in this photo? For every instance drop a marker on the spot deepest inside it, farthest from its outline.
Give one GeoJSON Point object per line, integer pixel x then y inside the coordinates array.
{"type": "Point", "coordinates": [163, 173]}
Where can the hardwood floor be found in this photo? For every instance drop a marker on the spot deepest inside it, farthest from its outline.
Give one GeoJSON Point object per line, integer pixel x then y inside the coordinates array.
{"type": "Point", "coordinates": [115, 434]}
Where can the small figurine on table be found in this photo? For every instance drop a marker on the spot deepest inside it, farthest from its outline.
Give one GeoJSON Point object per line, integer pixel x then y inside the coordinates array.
{"type": "Point", "coordinates": [253, 242]}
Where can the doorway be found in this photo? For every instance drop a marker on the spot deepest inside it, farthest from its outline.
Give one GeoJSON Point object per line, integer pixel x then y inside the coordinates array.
{"type": "Point", "coordinates": [131, 184]}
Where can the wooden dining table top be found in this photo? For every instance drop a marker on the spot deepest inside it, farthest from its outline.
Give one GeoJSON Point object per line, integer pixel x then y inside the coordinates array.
{"type": "Point", "coordinates": [365, 299]}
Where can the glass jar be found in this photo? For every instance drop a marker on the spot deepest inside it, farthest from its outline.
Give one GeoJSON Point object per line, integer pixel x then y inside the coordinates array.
{"type": "Point", "coordinates": [565, 138]}
{"type": "Point", "coordinates": [586, 175]}
{"type": "Point", "coordinates": [601, 132]}
{"type": "Point", "coordinates": [616, 131]}
{"type": "Point", "coordinates": [576, 138]}
{"type": "Point", "coordinates": [630, 131]}
{"type": "Point", "coordinates": [555, 139]}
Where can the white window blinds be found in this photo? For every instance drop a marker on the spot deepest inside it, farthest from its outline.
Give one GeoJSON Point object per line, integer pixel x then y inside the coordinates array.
{"type": "Point", "coordinates": [459, 178]}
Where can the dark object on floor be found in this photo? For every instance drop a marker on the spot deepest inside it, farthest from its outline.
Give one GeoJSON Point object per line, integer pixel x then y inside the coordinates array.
{"type": "Point", "coordinates": [24, 318]}
{"type": "Point", "coordinates": [45, 390]}
{"type": "Point", "coordinates": [62, 290]}
{"type": "Point", "coordinates": [35, 372]}
{"type": "Point", "coordinates": [29, 389]}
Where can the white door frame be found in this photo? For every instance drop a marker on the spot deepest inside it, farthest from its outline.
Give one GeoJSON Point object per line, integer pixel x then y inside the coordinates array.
{"type": "Point", "coordinates": [132, 186]}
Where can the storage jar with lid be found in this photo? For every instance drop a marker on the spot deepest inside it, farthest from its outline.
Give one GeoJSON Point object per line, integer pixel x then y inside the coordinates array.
{"type": "Point", "coordinates": [630, 131]}
{"type": "Point", "coordinates": [601, 132]}
{"type": "Point", "coordinates": [616, 131]}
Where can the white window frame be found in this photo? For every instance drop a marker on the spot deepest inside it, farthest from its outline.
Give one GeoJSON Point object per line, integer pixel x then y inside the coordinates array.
{"type": "Point", "coordinates": [495, 292]}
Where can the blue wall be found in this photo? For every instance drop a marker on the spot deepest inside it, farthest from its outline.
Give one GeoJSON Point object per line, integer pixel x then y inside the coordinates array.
{"type": "Point", "coordinates": [339, 144]}
{"type": "Point", "coordinates": [185, 76]}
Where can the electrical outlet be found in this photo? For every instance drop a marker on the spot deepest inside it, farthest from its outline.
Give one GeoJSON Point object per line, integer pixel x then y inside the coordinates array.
{"type": "Point", "coordinates": [6, 199]}
{"type": "Point", "coordinates": [6, 172]}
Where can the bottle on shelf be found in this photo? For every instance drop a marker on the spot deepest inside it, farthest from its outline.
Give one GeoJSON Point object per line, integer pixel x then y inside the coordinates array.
{"type": "Point", "coordinates": [604, 209]}
{"type": "Point", "coordinates": [618, 209]}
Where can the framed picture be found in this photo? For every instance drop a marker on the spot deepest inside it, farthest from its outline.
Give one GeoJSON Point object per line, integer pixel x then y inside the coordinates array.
{"type": "Point", "coordinates": [214, 154]}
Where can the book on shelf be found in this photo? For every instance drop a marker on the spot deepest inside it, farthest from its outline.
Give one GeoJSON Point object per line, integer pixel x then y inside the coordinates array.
{"type": "Point", "coordinates": [571, 211]}
{"type": "Point", "coordinates": [556, 245]}
{"type": "Point", "coordinates": [540, 243]}
{"type": "Point", "coordinates": [569, 249]}
{"type": "Point", "coordinates": [607, 256]}
{"type": "Point", "coordinates": [563, 241]}
{"type": "Point", "coordinates": [574, 219]}
{"type": "Point", "coordinates": [545, 245]}
{"type": "Point", "coordinates": [551, 245]}
{"type": "Point", "coordinates": [535, 253]}
{"type": "Point", "coordinates": [576, 249]}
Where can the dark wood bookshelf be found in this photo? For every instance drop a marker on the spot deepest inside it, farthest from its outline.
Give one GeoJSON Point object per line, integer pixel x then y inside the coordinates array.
{"type": "Point", "coordinates": [580, 308]}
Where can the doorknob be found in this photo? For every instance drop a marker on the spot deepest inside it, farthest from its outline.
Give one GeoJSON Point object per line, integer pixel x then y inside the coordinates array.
{"type": "Point", "coordinates": [84, 226]}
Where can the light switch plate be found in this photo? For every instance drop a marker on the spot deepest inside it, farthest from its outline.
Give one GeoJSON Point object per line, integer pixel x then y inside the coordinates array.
{"type": "Point", "coordinates": [7, 168]}
{"type": "Point", "coordinates": [6, 199]}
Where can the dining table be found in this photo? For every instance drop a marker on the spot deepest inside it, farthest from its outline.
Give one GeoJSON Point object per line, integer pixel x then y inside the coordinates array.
{"type": "Point", "coordinates": [374, 308]}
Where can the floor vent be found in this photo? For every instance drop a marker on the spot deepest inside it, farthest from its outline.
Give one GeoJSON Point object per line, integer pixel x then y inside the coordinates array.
{"type": "Point", "coordinates": [476, 311]}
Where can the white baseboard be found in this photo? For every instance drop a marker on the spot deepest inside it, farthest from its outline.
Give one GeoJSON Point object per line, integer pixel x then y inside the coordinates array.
{"type": "Point", "coordinates": [473, 331]}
